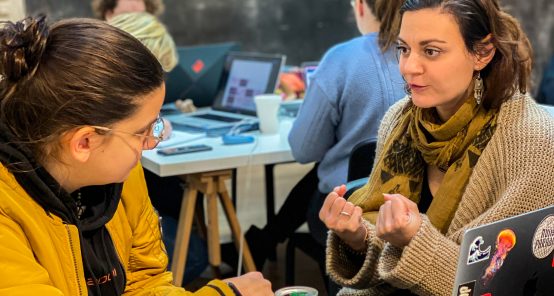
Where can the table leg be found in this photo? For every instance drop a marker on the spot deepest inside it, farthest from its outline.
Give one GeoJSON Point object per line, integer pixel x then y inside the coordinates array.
{"type": "Point", "coordinates": [270, 201]}
{"type": "Point", "coordinates": [200, 218]}
{"type": "Point", "coordinates": [269, 192]}
{"type": "Point", "coordinates": [182, 238]}
{"type": "Point", "coordinates": [234, 187]}
{"type": "Point", "coordinates": [214, 248]}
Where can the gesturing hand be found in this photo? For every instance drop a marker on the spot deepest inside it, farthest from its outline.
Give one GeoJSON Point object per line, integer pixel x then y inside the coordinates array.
{"type": "Point", "coordinates": [398, 220]}
{"type": "Point", "coordinates": [343, 218]}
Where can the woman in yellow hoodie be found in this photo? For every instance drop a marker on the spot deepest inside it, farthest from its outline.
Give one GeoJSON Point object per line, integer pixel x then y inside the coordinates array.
{"type": "Point", "coordinates": [79, 101]}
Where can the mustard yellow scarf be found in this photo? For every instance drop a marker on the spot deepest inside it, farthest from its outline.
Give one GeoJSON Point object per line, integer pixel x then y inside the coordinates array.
{"type": "Point", "coordinates": [420, 140]}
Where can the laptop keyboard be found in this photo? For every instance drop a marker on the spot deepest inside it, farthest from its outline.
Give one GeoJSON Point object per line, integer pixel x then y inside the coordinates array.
{"type": "Point", "coordinates": [217, 117]}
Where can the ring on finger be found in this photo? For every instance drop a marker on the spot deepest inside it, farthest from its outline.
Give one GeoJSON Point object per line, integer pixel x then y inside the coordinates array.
{"type": "Point", "coordinates": [345, 214]}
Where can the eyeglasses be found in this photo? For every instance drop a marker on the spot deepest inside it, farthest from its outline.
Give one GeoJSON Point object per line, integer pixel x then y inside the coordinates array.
{"type": "Point", "coordinates": [151, 137]}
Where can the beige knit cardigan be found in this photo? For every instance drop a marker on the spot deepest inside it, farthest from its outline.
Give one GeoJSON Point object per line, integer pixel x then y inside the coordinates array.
{"type": "Point", "coordinates": [514, 175]}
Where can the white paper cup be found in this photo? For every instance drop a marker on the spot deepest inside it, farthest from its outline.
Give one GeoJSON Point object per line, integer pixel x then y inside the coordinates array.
{"type": "Point", "coordinates": [267, 107]}
{"type": "Point", "coordinates": [296, 291]}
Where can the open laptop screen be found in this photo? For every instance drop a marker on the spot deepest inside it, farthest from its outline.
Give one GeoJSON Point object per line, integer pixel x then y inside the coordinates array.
{"type": "Point", "coordinates": [247, 75]}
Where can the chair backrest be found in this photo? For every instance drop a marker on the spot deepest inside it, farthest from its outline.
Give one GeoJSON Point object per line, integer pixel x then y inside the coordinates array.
{"type": "Point", "coordinates": [361, 160]}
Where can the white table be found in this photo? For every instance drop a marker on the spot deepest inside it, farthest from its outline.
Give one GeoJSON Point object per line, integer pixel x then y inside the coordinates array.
{"type": "Point", "coordinates": [266, 149]}
{"type": "Point", "coordinates": [206, 172]}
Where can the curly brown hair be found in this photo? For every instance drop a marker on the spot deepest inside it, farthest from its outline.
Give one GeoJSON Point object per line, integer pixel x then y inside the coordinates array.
{"type": "Point", "coordinates": [101, 7]}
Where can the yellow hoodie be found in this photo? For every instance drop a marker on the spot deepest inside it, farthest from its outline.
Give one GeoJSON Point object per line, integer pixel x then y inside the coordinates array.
{"type": "Point", "coordinates": [40, 254]}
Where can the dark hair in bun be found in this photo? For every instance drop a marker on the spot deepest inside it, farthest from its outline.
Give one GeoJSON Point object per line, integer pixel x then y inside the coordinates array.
{"type": "Point", "coordinates": [72, 73]}
{"type": "Point", "coordinates": [21, 47]}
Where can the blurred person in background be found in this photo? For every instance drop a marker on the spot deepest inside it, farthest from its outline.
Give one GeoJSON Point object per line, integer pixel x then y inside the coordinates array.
{"type": "Point", "coordinates": [352, 88]}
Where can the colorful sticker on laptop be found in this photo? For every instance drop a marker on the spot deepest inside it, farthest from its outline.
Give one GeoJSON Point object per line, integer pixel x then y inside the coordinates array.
{"type": "Point", "coordinates": [475, 254]}
{"type": "Point", "coordinates": [543, 240]}
{"type": "Point", "coordinates": [466, 289]}
{"type": "Point", "coordinates": [505, 242]}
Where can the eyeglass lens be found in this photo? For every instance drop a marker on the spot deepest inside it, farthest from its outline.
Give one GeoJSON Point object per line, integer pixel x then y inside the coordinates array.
{"type": "Point", "coordinates": [155, 134]}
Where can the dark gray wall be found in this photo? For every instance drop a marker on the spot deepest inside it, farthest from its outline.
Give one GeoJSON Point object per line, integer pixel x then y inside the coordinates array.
{"type": "Point", "coordinates": [301, 29]}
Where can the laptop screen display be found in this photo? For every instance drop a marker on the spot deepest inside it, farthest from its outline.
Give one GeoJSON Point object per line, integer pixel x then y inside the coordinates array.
{"type": "Point", "coordinates": [247, 75]}
{"type": "Point", "coordinates": [247, 79]}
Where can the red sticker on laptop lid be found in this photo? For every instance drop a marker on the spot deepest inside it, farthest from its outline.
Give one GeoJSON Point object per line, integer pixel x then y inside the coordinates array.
{"type": "Point", "coordinates": [197, 66]}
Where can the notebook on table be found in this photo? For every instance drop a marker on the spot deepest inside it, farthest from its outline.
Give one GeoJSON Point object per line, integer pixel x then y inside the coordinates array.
{"type": "Point", "coordinates": [509, 257]}
{"type": "Point", "coordinates": [245, 76]}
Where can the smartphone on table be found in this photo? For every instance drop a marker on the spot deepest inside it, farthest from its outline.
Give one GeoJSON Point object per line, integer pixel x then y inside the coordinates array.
{"type": "Point", "coordinates": [184, 149]}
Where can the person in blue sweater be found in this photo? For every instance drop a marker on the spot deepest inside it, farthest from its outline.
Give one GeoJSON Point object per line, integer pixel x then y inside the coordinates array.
{"type": "Point", "coordinates": [349, 93]}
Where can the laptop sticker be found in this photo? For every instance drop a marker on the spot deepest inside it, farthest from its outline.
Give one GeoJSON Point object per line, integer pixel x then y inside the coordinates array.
{"type": "Point", "coordinates": [505, 242]}
{"type": "Point", "coordinates": [198, 66]}
{"type": "Point", "coordinates": [466, 289]}
{"type": "Point", "coordinates": [543, 240]}
{"type": "Point", "coordinates": [475, 254]}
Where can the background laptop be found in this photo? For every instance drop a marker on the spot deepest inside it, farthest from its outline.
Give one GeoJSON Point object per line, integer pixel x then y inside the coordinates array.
{"type": "Point", "coordinates": [308, 69]}
{"type": "Point", "coordinates": [509, 257]}
{"type": "Point", "coordinates": [198, 74]}
{"type": "Point", "coordinates": [245, 76]}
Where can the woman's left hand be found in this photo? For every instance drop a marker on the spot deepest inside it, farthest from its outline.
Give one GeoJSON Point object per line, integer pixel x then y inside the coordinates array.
{"type": "Point", "coordinates": [398, 220]}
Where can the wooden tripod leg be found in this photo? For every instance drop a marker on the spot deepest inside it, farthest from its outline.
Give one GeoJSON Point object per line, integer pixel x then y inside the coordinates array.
{"type": "Point", "coordinates": [182, 238]}
{"type": "Point", "coordinates": [214, 248]}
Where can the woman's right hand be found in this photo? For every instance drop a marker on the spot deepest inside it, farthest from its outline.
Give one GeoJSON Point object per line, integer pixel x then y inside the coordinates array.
{"type": "Point", "coordinates": [344, 218]}
{"type": "Point", "coordinates": [252, 283]}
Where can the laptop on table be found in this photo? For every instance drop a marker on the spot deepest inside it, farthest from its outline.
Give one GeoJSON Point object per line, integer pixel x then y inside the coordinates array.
{"type": "Point", "coordinates": [308, 69]}
{"type": "Point", "coordinates": [197, 75]}
{"type": "Point", "coordinates": [245, 76]}
{"type": "Point", "coordinates": [511, 257]}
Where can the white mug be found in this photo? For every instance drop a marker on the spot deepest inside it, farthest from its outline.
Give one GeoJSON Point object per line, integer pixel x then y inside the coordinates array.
{"type": "Point", "coordinates": [267, 107]}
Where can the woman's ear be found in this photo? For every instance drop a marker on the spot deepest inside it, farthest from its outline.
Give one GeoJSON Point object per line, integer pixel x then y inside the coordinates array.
{"type": "Point", "coordinates": [484, 53]}
{"type": "Point", "coordinates": [360, 8]}
{"type": "Point", "coordinates": [81, 143]}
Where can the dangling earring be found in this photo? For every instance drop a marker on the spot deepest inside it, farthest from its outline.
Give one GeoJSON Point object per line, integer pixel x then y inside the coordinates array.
{"type": "Point", "coordinates": [478, 88]}
{"type": "Point", "coordinates": [408, 90]}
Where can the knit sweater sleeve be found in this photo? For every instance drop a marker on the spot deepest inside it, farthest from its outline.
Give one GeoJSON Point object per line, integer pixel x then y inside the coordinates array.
{"type": "Point", "coordinates": [513, 176]}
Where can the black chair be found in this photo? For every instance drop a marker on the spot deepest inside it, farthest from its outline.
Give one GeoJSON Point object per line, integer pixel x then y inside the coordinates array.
{"type": "Point", "coordinates": [359, 167]}
{"type": "Point", "coordinates": [361, 160]}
